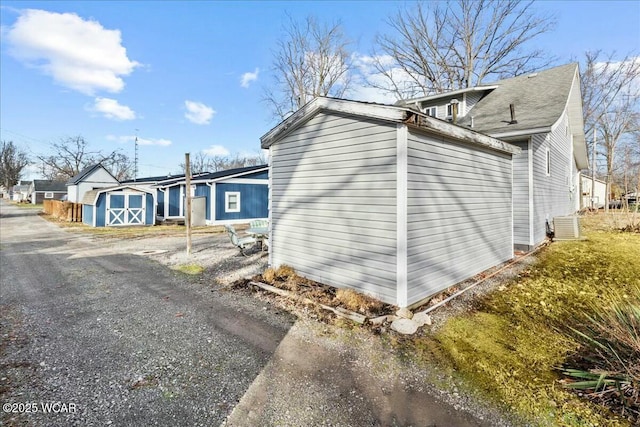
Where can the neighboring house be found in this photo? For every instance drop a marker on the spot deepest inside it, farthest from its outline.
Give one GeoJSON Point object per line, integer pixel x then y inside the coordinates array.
{"type": "Point", "coordinates": [230, 196]}
{"type": "Point", "coordinates": [542, 114]}
{"type": "Point", "coordinates": [42, 189]}
{"type": "Point", "coordinates": [21, 191]}
{"type": "Point", "coordinates": [118, 206]}
{"type": "Point", "coordinates": [90, 178]}
{"type": "Point", "coordinates": [150, 183]}
{"type": "Point", "coordinates": [595, 198]}
{"type": "Point", "coordinates": [387, 200]}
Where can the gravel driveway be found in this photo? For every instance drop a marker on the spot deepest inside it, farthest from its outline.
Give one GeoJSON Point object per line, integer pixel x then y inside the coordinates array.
{"type": "Point", "coordinates": [114, 338]}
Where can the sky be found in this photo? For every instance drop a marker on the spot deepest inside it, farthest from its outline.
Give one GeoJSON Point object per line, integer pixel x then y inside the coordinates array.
{"type": "Point", "coordinates": [189, 76]}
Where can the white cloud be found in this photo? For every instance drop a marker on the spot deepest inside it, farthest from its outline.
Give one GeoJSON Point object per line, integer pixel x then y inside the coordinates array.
{"type": "Point", "coordinates": [79, 54]}
{"type": "Point", "coordinates": [141, 141]}
{"type": "Point", "coordinates": [366, 73]}
{"type": "Point", "coordinates": [111, 109]}
{"type": "Point", "coordinates": [249, 77]}
{"type": "Point", "coordinates": [216, 150]}
{"type": "Point", "coordinates": [198, 113]}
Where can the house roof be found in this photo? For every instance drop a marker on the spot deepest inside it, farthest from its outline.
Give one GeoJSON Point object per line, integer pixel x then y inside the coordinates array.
{"type": "Point", "coordinates": [446, 94]}
{"type": "Point", "coordinates": [539, 100]}
{"type": "Point", "coordinates": [91, 196]}
{"type": "Point", "coordinates": [176, 178]}
{"type": "Point", "coordinates": [46, 185]}
{"type": "Point", "coordinates": [22, 187]}
{"type": "Point", "coordinates": [388, 113]}
{"type": "Point", "coordinates": [214, 176]}
{"type": "Point", "coordinates": [86, 172]}
{"type": "Point", "coordinates": [152, 179]}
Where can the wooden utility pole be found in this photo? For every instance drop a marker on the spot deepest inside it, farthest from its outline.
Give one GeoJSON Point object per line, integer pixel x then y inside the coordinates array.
{"type": "Point", "coordinates": [187, 210]}
{"type": "Point", "coordinates": [593, 169]}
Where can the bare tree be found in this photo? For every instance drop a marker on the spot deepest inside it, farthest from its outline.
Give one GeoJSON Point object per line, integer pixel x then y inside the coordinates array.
{"type": "Point", "coordinates": [69, 156]}
{"type": "Point", "coordinates": [611, 106]}
{"type": "Point", "coordinates": [202, 163]}
{"type": "Point", "coordinates": [312, 59]}
{"type": "Point", "coordinates": [13, 160]}
{"type": "Point", "coordinates": [441, 46]}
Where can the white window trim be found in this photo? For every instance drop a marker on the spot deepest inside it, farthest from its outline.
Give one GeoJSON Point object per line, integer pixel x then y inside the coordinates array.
{"type": "Point", "coordinates": [48, 195]}
{"type": "Point", "coordinates": [547, 156]}
{"type": "Point", "coordinates": [227, 196]}
{"type": "Point", "coordinates": [435, 111]}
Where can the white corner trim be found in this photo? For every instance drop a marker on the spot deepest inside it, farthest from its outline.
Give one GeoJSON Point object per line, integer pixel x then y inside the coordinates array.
{"type": "Point", "coordinates": [401, 215]}
{"type": "Point", "coordinates": [531, 212]}
{"type": "Point", "coordinates": [269, 205]}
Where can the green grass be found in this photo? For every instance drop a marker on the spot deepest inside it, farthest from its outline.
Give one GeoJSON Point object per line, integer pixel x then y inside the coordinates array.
{"type": "Point", "coordinates": [193, 269]}
{"type": "Point", "coordinates": [510, 349]}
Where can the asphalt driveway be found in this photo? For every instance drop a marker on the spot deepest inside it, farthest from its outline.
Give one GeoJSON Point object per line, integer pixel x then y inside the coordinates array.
{"type": "Point", "coordinates": [92, 337]}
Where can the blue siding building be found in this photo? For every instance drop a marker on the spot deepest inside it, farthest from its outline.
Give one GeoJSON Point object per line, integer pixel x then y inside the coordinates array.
{"type": "Point", "coordinates": [118, 206]}
{"type": "Point", "coordinates": [231, 196]}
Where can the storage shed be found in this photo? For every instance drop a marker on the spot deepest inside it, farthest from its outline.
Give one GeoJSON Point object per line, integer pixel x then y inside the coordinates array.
{"type": "Point", "coordinates": [118, 206]}
{"type": "Point", "coordinates": [387, 200]}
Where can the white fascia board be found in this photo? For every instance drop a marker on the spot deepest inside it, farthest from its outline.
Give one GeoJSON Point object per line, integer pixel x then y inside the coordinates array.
{"type": "Point", "coordinates": [520, 133]}
{"type": "Point", "coordinates": [376, 111]}
{"type": "Point", "coordinates": [426, 123]}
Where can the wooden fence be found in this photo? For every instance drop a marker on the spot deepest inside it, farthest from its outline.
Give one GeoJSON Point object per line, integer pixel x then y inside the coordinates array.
{"type": "Point", "coordinates": [66, 211]}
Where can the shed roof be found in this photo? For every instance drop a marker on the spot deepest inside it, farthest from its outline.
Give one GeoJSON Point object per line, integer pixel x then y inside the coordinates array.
{"type": "Point", "coordinates": [91, 196]}
{"type": "Point", "coordinates": [388, 113]}
{"type": "Point", "coordinates": [47, 185]}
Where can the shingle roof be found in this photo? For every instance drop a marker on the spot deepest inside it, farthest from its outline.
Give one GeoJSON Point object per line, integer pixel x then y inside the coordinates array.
{"type": "Point", "coordinates": [152, 179]}
{"type": "Point", "coordinates": [46, 185]}
{"type": "Point", "coordinates": [86, 172]}
{"type": "Point", "coordinates": [229, 172]}
{"type": "Point", "coordinates": [539, 100]}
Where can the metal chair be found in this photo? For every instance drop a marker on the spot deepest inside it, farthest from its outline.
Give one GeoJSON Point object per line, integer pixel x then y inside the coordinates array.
{"type": "Point", "coordinates": [259, 223]}
{"type": "Point", "coordinates": [240, 242]}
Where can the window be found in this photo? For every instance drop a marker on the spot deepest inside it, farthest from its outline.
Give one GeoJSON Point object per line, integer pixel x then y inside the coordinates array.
{"type": "Point", "coordinates": [48, 195]}
{"type": "Point", "coordinates": [548, 155]}
{"type": "Point", "coordinates": [232, 201]}
{"type": "Point", "coordinates": [431, 111]}
{"type": "Point", "coordinates": [449, 110]}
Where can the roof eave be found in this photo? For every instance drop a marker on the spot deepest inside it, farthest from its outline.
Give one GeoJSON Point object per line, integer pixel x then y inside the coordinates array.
{"type": "Point", "coordinates": [305, 113]}
{"type": "Point", "coordinates": [441, 127]}
{"type": "Point", "coordinates": [403, 102]}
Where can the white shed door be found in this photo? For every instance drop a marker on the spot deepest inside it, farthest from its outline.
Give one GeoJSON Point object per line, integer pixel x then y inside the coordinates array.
{"type": "Point", "coordinates": [125, 209]}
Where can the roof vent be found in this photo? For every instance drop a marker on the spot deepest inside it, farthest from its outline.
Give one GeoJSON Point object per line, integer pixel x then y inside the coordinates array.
{"type": "Point", "coordinates": [513, 121]}
{"type": "Point", "coordinates": [532, 75]}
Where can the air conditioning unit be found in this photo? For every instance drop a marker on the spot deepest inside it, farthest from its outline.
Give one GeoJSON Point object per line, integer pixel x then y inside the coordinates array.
{"type": "Point", "coordinates": [566, 228]}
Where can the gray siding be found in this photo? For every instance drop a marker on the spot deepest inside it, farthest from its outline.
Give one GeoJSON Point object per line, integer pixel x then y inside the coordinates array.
{"type": "Point", "coordinates": [521, 193]}
{"type": "Point", "coordinates": [459, 213]}
{"type": "Point", "coordinates": [472, 99]}
{"type": "Point", "coordinates": [552, 194]}
{"type": "Point", "coordinates": [333, 203]}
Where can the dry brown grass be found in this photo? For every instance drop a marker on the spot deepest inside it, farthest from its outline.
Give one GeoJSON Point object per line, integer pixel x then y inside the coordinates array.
{"type": "Point", "coordinates": [355, 301]}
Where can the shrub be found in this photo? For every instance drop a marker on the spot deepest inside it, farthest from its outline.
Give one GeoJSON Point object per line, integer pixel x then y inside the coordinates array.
{"type": "Point", "coordinates": [607, 365]}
